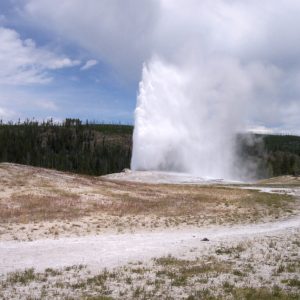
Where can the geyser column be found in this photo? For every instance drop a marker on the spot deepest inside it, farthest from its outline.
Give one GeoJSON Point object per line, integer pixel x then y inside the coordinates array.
{"type": "Point", "coordinates": [186, 118]}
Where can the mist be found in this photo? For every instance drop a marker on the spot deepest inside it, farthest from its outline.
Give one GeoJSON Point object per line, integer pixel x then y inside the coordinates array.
{"type": "Point", "coordinates": [187, 117]}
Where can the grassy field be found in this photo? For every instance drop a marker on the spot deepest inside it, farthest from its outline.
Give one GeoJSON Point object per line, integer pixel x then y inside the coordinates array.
{"type": "Point", "coordinates": [37, 203]}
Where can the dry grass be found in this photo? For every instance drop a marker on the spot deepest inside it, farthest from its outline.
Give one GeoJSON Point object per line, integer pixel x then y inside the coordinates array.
{"type": "Point", "coordinates": [29, 195]}
{"type": "Point", "coordinates": [32, 208]}
{"type": "Point", "coordinates": [203, 274]}
{"type": "Point", "coordinates": [121, 199]}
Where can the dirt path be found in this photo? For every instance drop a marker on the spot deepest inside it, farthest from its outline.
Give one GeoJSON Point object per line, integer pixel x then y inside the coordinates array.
{"type": "Point", "coordinates": [111, 250]}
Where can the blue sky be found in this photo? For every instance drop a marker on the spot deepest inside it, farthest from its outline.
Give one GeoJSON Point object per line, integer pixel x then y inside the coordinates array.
{"type": "Point", "coordinates": [78, 58]}
{"type": "Point", "coordinates": [83, 86]}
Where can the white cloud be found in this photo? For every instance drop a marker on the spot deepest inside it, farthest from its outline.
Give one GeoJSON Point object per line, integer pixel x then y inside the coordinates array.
{"type": "Point", "coordinates": [46, 104]}
{"type": "Point", "coordinates": [116, 32]}
{"type": "Point", "coordinates": [25, 102]}
{"type": "Point", "coordinates": [261, 36]}
{"type": "Point", "coordinates": [89, 64]}
{"type": "Point", "coordinates": [22, 62]}
{"type": "Point", "coordinates": [127, 33]}
{"type": "Point", "coordinates": [6, 114]}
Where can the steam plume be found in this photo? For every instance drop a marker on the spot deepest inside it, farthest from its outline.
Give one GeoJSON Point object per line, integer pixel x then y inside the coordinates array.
{"type": "Point", "coordinates": [213, 73]}
{"type": "Point", "coordinates": [187, 116]}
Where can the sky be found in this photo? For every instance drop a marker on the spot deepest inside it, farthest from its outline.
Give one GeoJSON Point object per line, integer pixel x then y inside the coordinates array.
{"type": "Point", "coordinates": [84, 59]}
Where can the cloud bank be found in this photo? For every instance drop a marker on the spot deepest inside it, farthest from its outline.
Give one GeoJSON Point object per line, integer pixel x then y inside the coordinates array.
{"type": "Point", "coordinates": [116, 32]}
{"type": "Point", "coordinates": [261, 36]}
{"type": "Point", "coordinates": [22, 62]}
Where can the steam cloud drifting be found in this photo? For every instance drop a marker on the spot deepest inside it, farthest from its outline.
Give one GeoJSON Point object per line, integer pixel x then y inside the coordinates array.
{"type": "Point", "coordinates": [187, 116]}
{"type": "Point", "coordinates": [194, 99]}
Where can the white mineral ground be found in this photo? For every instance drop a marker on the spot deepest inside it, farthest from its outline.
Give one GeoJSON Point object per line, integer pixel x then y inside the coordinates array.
{"type": "Point", "coordinates": [111, 250]}
{"type": "Point", "coordinates": [158, 177]}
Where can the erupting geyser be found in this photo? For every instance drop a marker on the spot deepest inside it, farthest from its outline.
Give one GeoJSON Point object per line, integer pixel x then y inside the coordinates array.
{"type": "Point", "coordinates": [187, 117]}
{"type": "Point", "coordinates": [219, 67]}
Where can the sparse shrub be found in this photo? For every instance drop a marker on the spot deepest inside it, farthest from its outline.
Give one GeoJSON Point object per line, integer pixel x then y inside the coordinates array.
{"type": "Point", "coordinates": [22, 277]}
{"type": "Point", "coordinates": [237, 273]}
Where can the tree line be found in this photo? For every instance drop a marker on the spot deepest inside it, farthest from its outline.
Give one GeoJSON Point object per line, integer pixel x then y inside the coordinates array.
{"type": "Point", "coordinates": [98, 149]}
{"type": "Point", "coordinates": [89, 148]}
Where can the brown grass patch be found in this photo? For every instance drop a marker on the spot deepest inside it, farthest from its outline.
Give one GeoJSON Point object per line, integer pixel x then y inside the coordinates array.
{"type": "Point", "coordinates": [28, 208]}
{"type": "Point", "coordinates": [51, 195]}
{"type": "Point", "coordinates": [175, 200]}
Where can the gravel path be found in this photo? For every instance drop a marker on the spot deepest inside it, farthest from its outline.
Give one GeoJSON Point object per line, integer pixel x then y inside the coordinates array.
{"type": "Point", "coordinates": [111, 250]}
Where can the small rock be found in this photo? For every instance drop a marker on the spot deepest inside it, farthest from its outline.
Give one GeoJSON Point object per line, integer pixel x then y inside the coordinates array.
{"type": "Point", "coordinates": [205, 240]}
